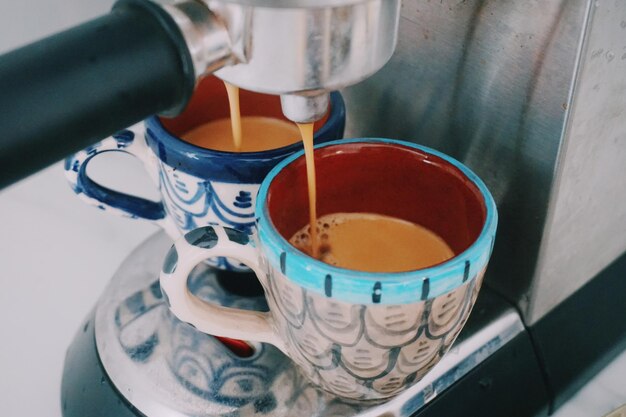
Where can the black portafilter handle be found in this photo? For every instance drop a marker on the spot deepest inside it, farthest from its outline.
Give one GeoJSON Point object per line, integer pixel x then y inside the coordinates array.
{"type": "Point", "coordinates": [63, 93]}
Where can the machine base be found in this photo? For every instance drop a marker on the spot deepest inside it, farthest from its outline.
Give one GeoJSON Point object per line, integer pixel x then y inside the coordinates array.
{"type": "Point", "coordinates": [133, 358]}
{"type": "Point", "coordinates": [86, 389]}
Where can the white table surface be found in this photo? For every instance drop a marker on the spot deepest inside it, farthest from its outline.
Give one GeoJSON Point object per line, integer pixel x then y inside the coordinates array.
{"type": "Point", "coordinates": [57, 254]}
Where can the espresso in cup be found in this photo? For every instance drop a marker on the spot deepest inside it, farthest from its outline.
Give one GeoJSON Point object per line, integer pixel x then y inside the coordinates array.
{"type": "Point", "coordinates": [373, 242]}
{"type": "Point", "coordinates": [200, 184]}
{"type": "Point", "coordinates": [363, 241]}
{"type": "Point", "coordinates": [258, 133]}
{"type": "Point", "coordinates": [242, 134]}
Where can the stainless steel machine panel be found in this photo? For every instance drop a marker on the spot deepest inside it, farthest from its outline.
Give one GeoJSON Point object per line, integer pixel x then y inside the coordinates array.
{"type": "Point", "coordinates": [497, 85]}
{"type": "Point", "coordinates": [586, 227]}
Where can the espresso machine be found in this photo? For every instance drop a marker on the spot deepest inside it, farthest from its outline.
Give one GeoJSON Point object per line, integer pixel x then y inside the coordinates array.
{"type": "Point", "coordinates": [530, 95]}
{"type": "Point", "coordinates": [144, 59]}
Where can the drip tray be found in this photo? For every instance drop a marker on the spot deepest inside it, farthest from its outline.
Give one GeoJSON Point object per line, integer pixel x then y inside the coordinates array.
{"type": "Point", "coordinates": [164, 367]}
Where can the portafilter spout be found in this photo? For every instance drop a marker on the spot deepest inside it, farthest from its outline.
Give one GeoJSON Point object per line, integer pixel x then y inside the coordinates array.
{"type": "Point", "coordinates": [68, 91]}
{"type": "Point", "coordinates": [303, 49]}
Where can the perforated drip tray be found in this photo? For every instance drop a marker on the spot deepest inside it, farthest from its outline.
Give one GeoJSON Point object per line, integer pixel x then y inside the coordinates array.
{"type": "Point", "coordinates": [166, 368]}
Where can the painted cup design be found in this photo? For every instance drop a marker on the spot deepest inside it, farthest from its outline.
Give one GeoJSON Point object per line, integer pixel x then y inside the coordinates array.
{"type": "Point", "coordinates": [359, 335]}
{"type": "Point", "coordinates": [198, 186]}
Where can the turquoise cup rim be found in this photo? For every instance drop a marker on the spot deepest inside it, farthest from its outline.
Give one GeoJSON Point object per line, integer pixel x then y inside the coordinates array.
{"type": "Point", "coordinates": [374, 287]}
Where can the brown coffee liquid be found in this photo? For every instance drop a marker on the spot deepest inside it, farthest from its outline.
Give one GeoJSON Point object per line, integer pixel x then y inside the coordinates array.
{"type": "Point", "coordinates": [259, 134]}
{"type": "Point", "coordinates": [374, 243]}
{"type": "Point", "coordinates": [235, 114]}
{"type": "Point", "coordinates": [306, 131]}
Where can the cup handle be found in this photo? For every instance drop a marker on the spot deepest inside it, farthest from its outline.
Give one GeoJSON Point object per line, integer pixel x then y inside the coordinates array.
{"type": "Point", "coordinates": [192, 249]}
{"type": "Point", "coordinates": [102, 197]}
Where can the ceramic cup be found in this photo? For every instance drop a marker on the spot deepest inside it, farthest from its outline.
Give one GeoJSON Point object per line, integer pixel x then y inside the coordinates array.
{"type": "Point", "coordinates": [359, 335]}
{"type": "Point", "coordinates": [198, 186]}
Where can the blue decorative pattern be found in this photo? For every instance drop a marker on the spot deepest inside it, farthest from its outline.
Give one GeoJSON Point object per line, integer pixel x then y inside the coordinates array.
{"type": "Point", "coordinates": [426, 287]}
{"type": "Point", "coordinates": [198, 186]}
{"type": "Point", "coordinates": [171, 261]}
{"type": "Point", "coordinates": [203, 202]}
{"type": "Point", "coordinates": [102, 197]}
{"type": "Point", "coordinates": [243, 200]}
{"type": "Point", "coordinates": [131, 315]}
{"type": "Point", "coordinates": [205, 237]}
{"type": "Point", "coordinates": [328, 285]}
{"type": "Point", "coordinates": [230, 167]}
{"type": "Point", "coordinates": [124, 138]}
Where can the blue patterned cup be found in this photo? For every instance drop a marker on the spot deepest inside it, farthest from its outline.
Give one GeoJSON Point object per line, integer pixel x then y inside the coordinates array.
{"type": "Point", "coordinates": [359, 335]}
{"type": "Point", "coordinates": [198, 186]}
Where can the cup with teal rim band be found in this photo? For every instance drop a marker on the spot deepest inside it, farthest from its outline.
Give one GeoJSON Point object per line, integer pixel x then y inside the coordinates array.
{"type": "Point", "coordinates": [359, 335]}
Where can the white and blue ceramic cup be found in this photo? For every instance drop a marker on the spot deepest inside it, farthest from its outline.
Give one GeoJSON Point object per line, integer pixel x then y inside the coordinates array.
{"type": "Point", "coordinates": [198, 186]}
{"type": "Point", "coordinates": [359, 335]}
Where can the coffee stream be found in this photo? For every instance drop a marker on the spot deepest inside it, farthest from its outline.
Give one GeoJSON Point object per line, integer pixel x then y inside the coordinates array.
{"type": "Point", "coordinates": [306, 132]}
{"type": "Point", "coordinates": [235, 114]}
{"type": "Point", "coordinates": [358, 241]}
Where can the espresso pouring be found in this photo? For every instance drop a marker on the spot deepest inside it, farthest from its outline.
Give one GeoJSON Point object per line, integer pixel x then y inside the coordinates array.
{"type": "Point", "coordinates": [359, 241]}
{"type": "Point", "coordinates": [261, 133]}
